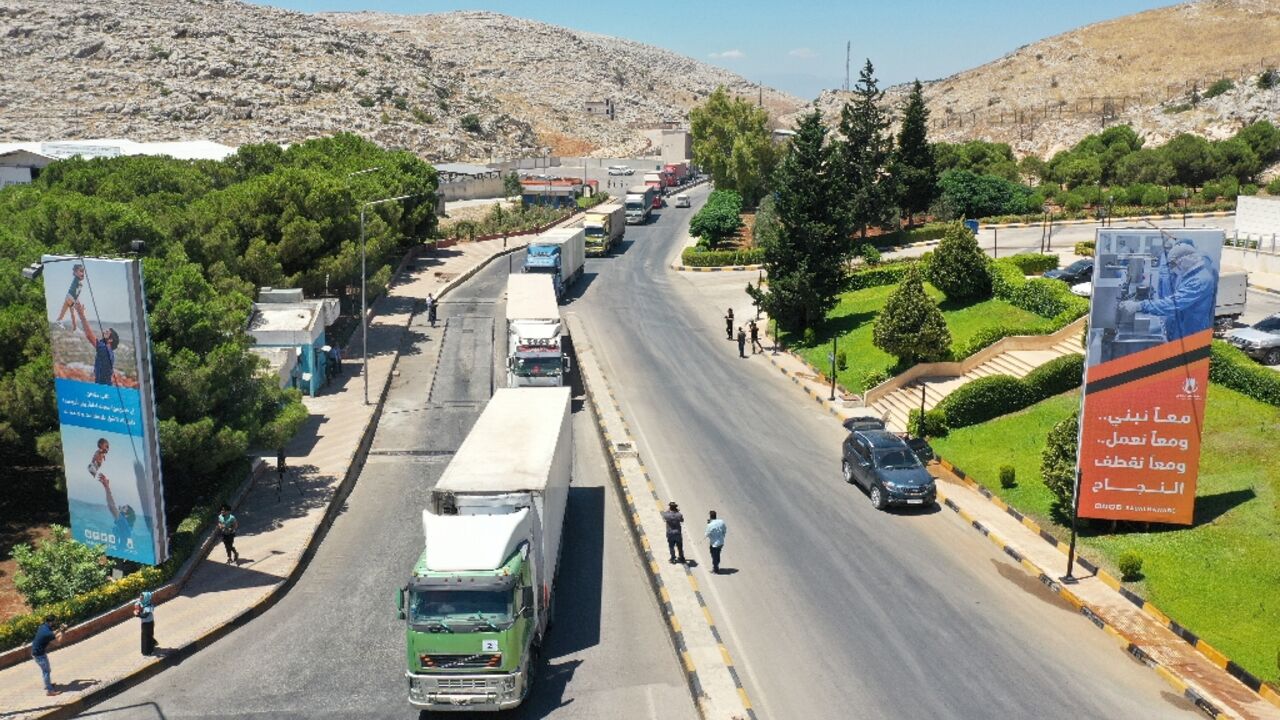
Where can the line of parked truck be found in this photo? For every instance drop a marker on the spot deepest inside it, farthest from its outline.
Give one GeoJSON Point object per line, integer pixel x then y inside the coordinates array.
{"type": "Point", "coordinates": [482, 593]}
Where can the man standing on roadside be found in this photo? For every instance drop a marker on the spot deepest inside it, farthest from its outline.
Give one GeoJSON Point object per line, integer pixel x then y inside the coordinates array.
{"type": "Point", "coordinates": [742, 342]}
{"type": "Point", "coordinates": [675, 540]}
{"type": "Point", "coordinates": [431, 309]}
{"type": "Point", "coordinates": [716, 530]}
{"type": "Point", "coordinates": [46, 635]}
{"type": "Point", "coordinates": [756, 347]}
{"type": "Point", "coordinates": [728, 324]}
{"type": "Point", "coordinates": [144, 607]}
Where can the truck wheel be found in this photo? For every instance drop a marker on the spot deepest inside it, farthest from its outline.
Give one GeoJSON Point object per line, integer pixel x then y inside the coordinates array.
{"type": "Point", "coordinates": [1273, 357]}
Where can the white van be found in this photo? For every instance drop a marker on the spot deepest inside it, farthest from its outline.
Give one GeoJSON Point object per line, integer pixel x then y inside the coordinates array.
{"type": "Point", "coordinates": [620, 170]}
{"type": "Point", "coordinates": [682, 201]}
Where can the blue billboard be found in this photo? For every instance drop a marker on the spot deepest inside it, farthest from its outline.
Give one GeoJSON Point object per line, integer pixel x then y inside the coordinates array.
{"type": "Point", "coordinates": [106, 408]}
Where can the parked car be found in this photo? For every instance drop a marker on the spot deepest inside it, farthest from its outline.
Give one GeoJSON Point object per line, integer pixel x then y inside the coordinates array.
{"type": "Point", "coordinates": [1260, 341]}
{"type": "Point", "coordinates": [888, 468]}
{"type": "Point", "coordinates": [682, 201]}
{"type": "Point", "coordinates": [863, 422]}
{"type": "Point", "coordinates": [618, 169]}
{"type": "Point", "coordinates": [1073, 274]}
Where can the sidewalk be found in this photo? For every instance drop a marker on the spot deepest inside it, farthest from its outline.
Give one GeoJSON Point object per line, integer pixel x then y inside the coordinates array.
{"type": "Point", "coordinates": [1194, 674]}
{"type": "Point", "coordinates": [279, 528]}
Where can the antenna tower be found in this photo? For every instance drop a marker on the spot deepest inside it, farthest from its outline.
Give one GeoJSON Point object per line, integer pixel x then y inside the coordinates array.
{"type": "Point", "coordinates": [848, 48]}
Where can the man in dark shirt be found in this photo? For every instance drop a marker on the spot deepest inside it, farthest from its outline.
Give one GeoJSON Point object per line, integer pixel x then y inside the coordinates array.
{"type": "Point", "coordinates": [45, 635]}
{"type": "Point", "coordinates": [675, 540]}
{"type": "Point", "coordinates": [104, 348]}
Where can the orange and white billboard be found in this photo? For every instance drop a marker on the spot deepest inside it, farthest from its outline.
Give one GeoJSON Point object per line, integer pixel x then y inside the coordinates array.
{"type": "Point", "coordinates": [1147, 372]}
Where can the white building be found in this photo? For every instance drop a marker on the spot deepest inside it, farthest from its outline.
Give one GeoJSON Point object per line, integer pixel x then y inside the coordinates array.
{"type": "Point", "coordinates": [290, 333]}
{"type": "Point", "coordinates": [20, 162]}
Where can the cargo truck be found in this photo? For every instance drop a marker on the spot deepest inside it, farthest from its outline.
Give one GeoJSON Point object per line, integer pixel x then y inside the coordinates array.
{"type": "Point", "coordinates": [655, 180]}
{"type": "Point", "coordinates": [639, 203]}
{"type": "Point", "coordinates": [678, 173]}
{"type": "Point", "coordinates": [603, 226]}
{"type": "Point", "coordinates": [482, 593]}
{"type": "Point", "coordinates": [535, 357]}
{"type": "Point", "coordinates": [560, 253]}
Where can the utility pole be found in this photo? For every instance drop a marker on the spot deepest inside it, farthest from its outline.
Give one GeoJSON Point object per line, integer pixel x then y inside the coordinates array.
{"type": "Point", "coordinates": [848, 49]}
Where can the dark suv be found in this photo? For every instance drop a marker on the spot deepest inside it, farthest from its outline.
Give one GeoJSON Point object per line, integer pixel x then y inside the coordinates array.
{"type": "Point", "coordinates": [886, 466]}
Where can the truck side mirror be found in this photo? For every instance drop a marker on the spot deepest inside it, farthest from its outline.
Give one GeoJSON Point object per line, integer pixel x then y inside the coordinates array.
{"type": "Point", "coordinates": [568, 364]}
{"type": "Point", "coordinates": [400, 603]}
{"type": "Point", "coordinates": [526, 599]}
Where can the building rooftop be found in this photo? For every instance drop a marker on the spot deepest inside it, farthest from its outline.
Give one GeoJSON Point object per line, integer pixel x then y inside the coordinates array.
{"type": "Point", "coordinates": [114, 147]}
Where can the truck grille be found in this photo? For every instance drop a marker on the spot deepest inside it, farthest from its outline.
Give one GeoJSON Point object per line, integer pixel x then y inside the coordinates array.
{"type": "Point", "coordinates": [448, 684]}
{"type": "Point", "coordinates": [486, 660]}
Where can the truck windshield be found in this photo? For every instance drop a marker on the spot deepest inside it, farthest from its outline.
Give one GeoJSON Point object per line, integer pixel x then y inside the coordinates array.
{"type": "Point", "coordinates": [452, 608]}
{"type": "Point", "coordinates": [595, 231]}
{"type": "Point", "coordinates": [537, 367]}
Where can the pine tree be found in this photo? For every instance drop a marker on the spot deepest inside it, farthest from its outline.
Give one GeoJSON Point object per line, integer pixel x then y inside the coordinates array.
{"type": "Point", "coordinates": [910, 326]}
{"type": "Point", "coordinates": [807, 258]}
{"type": "Point", "coordinates": [865, 154]}
{"type": "Point", "coordinates": [914, 167]}
{"type": "Point", "coordinates": [959, 268]}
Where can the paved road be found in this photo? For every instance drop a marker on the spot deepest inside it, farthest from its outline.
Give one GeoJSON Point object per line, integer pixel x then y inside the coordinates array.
{"type": "Point", "coordinates": [332, 648]}
{"type": "Point", "coordinates": [832, 610]}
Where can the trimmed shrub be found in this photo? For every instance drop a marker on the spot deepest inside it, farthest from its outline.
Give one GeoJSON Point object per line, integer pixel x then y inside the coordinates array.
{"type": "Point", "coordinates": [1058, 461]}
{"type": "Point", "coordinates": [875, 377]}
{"type": "Point", "coordinates": [1130, 564]}
{"type": "Point", "coordinates": [1008, 477]}
{"type": "Point", "coordinates": [1085, 248]}
{"type": "Point", "coordinates": [1055, 377]}
{"type": "Point", "coordinates": [842, 360]}
{"type": "Point", "coordinates": [695, 257]}
{"type": "Point", "coordinates": [935, 424]}
{"type": "Point", "coordinates": [991, 335]}
{"type": "Point", "coordinates": [910, 326]}
{"type": "Point", "coordinates": [983, 399]}
{"type": "Point", "coordinates": [58, 568]}
{"type": "Point", "coordinates": [1249, 189]}
{"type": "Point", "coordinates": [869, 254]}
{"type": "Point", "coordinates": [1033, 263]}
{"type": "Point", "coordinates": [959, 267]}
{"type": "Point", "coordinates": [1155, 197]}
{"type": "Point", "coordinates": [1046, 298]}
{"type": "Point", "coordinates": [1230, 367]}
{"type": "Point", "coordinates": [880, 275]}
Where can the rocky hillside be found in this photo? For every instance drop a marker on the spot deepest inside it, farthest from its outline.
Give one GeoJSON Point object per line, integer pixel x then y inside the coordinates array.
{"type": "Point", "coordinates": [449, 87]}
{"type": "Point", "coordinates": [1141, 69]}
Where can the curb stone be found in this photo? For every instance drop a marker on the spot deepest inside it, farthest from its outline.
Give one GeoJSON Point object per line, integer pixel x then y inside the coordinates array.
{"type": "Point", "coordinates": [176, 656]}
{"type": "Point", "coordinates": [624, 479]}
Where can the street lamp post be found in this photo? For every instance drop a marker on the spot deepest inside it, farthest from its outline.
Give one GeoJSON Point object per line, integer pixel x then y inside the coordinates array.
{"type": "Point", "coordinates": [833, 368]}
{"type": "Point", "coordinates": [364, 312]}
{"type": "Point", "coordinates": [1186, 196]}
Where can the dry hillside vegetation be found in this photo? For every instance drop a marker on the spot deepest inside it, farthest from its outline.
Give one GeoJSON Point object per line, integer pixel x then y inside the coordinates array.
{"type": "Point", "coordinates": [1138, 69]}
{"type": "Point", "coordinates": [460, 86]}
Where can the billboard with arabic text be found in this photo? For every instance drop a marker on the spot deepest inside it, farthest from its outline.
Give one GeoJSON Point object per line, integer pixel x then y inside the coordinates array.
{"type": "Point", "coordinates": [1147, 372]}
{"type": "Point", "coordinates": [106, 410]}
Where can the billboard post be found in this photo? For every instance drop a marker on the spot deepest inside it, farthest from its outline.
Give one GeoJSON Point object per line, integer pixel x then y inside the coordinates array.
{"type": "Point", "coordinates": [106, 407]}
{"type": "Point", "coordinates": [1146, 373]}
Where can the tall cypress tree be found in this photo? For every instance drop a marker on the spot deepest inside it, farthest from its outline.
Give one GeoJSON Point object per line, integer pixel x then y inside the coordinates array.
{"type": "Point", "coordinates": [807, 259]}
{"type": "Point", "coordinates": [914, 167]}
{"type": "Point", "coordinates": [865, 155]}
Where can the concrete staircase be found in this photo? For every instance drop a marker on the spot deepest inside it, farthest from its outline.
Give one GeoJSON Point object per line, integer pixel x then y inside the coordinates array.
{"type": "Point", "coordinates": [895, 405]}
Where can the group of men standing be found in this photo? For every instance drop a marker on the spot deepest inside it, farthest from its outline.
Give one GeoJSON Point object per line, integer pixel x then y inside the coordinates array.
{"type": "Point", "coordinates": [715, 532]}
{"type": "Point", "coordinates": [751, 328]}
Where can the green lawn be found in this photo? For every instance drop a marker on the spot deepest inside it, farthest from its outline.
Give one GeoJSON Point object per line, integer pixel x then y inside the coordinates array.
{"type": "Point", "coordinates": [853, 317]}
{"type": "Point", "coordinates": [1220, 577]}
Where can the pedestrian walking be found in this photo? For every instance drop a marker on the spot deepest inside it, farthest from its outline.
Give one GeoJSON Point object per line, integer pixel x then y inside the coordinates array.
{"type": "Point", "coordinates": [431, 309]}
{"type": "Point", "coordinates": [145, 610]}
{"type": "Point", "coordinates": [756, 347]}
{"type": "Point", "coordinates": [280, 465]}
{"type": "Point", "coordinates": [742, 342]}
{"type": "Point", "coordinates": [728, 324]}
{"type": "Point", "coordinates": [335, 354]}
{"type": "Point", "coordinates": [48, 633]}
{"type": "Point", "coordinates": [715, 532]}
{"type": "Point", "coordinates": [227, 525]}
{"type": "Point", "coordinates": [675, 539]}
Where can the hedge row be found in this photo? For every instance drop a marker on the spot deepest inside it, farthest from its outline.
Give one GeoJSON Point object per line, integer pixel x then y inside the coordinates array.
{"type": "Point", "coordinates": [995, 395]}
{"type": "Point", "coordinates": [890, 273]}
{"type": "Point", "coordinates": [1046, 298]}
{"type": "Point", "coordinates": [1230, 367]}
{"type": "Point", "coordinates": [991, 335]}
{"type": "Point", "coordinates": [1085, 248]}
{"type": "Point", "coordinates": [693, 257]}
{"type": "Point", "coordinates": [930, 231]}
{"type": "Point", "coordinates": [20, 629]}
{"type": "Point", "coordinates": [1116, 212]}
{"type": "Point", "coordinates": [1033, 263]}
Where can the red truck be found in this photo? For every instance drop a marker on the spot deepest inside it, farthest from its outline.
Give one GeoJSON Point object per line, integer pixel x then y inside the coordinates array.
{"type": "Point", "coordinates": [677, 173]}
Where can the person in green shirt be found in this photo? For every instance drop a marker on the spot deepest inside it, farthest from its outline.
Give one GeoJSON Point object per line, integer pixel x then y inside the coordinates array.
{"type": "Point", "coordinates": [227, 525]}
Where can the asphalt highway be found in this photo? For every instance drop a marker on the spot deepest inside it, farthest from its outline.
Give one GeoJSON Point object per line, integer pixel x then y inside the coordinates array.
{"type": "Point", "coordinates": [830, 608]}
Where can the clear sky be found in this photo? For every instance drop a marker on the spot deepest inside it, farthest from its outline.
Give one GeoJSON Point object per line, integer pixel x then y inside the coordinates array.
{"type": "Point", "coordinates": [800, 46]}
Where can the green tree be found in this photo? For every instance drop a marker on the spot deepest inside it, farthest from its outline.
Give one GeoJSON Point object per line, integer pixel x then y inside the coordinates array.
{"type": "Point", "coordinates": [511, 184]}
{"type": "Point", "coordinates": [1032, 169]}
{"type": "Point", "coordinates": [914, 167]}
{"type": "Point", "coordinates": [965, 194]}
{"type": "Point", "coordinates": [1238, 159]}
{"type": "Point", "coordinates": [864, 154]}
{"type": "Point", "coordinates": [910, 326]}
{"type": "Point", "coordinates": [1193, 158]}
{"type": "Point", "coordinates": [977, 156]}
{"type": "Point", "coordinates": [959, 268]}
{"type": "Point", "coordinates": [1264, 138]}
{"type": "Point", "coordinates": [1058, 462]}
{"type": "Point", "coordinates": [58, 568]}
{"type": "Point", "coordinates": [807, 255]}
{"type": "Point", "coordinates": [732, 141]}
{"type": "Point", "coordinates": [1149, 165]}
{"type": "Point", "coordinates": [719, 219]}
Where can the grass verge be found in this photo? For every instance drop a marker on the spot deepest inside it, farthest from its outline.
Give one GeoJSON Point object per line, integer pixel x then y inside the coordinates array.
{"type": "Point", "coordinates": [1217, 577]}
